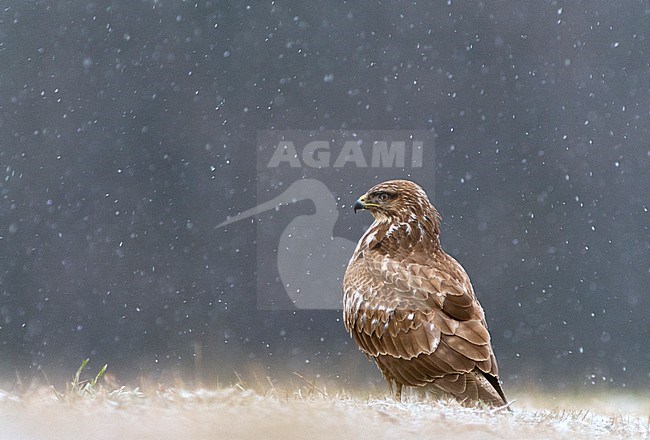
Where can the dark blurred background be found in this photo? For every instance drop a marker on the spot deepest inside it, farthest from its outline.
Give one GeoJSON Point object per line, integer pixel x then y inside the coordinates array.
{"type": "Point", "coordinates": [128, 133]}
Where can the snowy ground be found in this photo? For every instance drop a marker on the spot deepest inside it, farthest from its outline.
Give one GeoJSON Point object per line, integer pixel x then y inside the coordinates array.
{"type": "Point", "coordinates": [301, 414]}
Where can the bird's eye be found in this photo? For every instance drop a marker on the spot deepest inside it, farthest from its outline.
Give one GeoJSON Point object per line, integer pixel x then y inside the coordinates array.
{"type": "Point", "coordinates": [383, 197]}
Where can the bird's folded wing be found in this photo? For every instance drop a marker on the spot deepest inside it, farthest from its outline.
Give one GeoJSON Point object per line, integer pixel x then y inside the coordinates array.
{"type": "Point", "coordinates": [406, 310]}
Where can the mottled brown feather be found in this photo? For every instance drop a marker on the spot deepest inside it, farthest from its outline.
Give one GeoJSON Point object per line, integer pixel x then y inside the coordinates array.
{"type": "Point", "coordinates": [411, 307]}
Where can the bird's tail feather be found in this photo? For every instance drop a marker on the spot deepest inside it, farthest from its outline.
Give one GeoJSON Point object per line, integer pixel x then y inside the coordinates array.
{"type": "Point", "coordinates": [470, 387]}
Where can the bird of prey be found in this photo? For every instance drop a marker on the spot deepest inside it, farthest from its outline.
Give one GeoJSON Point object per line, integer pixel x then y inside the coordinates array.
{"type": "Point", "coordinates": [410, 307]}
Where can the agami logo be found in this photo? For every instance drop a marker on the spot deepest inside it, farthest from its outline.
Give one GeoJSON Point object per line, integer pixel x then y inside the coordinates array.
{"type": "Point", "coordinates": [307, 184]}
{"type": "Point", "coordinates": [317, 154]}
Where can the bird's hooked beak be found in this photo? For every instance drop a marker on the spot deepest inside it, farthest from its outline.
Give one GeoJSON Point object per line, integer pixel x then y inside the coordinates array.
{"type": "Point", "coordinates": [361, 203]}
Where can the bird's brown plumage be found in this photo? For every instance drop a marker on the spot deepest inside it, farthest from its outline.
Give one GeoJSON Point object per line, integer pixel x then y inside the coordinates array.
{"type": "Point", "coordinates": [411, 307]}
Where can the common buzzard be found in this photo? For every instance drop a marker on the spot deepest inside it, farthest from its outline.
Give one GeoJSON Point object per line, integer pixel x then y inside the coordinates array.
{"type": "Point", "coordinates": [410, 307]}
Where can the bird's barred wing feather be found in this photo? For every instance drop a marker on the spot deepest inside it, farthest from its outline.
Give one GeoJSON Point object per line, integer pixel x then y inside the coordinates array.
{"type": "Point", "coordinates": [407, 309]}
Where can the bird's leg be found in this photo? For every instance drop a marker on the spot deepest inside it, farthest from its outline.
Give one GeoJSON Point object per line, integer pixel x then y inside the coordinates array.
{"type": "Point", "coordinates": [398, 391]}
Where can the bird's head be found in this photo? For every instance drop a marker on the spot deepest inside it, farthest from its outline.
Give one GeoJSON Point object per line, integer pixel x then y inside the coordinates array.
{"type": "Point", "coordinates": [399, 201]}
